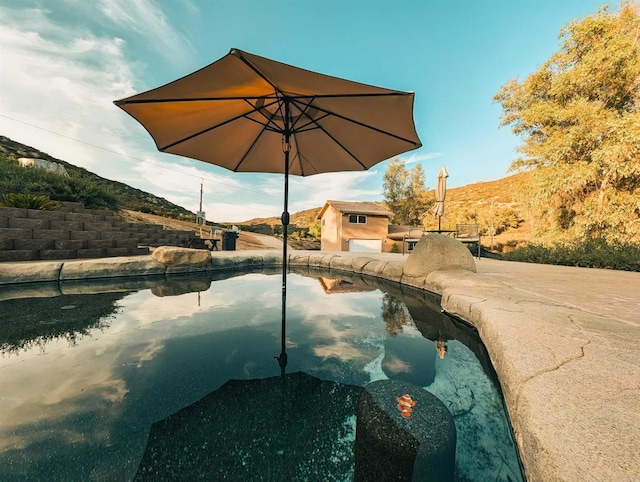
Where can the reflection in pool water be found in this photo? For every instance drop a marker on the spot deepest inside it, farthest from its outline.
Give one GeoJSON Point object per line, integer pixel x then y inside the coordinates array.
{"type": "Point", "coordinates": [85, 376]}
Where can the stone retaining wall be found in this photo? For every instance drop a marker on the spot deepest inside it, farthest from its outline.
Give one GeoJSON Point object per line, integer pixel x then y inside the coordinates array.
{"type": "Point", "coordinates": [76, 232]}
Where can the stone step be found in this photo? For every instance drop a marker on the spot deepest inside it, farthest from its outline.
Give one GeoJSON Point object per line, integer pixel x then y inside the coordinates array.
{"type": "Point", "coordinates": [86, 235]}
{"type": "Point", "coordinates": [68, 244]}
{"type": "Point", "coordinates": [15, 233]}
{"type": "Point", "coordinates": [57, 253]}
{"type": "Point", "coordinates": [97, 226]}
{"type": "Point", "coordinates": [110, 252]}
{"type": "Point", "coordinates": [91, 253]}
{"type": "Point", "coordinates": [51, 234]}
{"type": "Point", "coordinates": [82, 218]}
{"type": "Point", "coordinates": [125, 243]}
{"type": "Point", "coordinates": [37, 244]}
{"type": "Point", "coordinates": [48, 215]}
{"type": "Point", "coordinates": [19, 255]}
{"type": "Point", "coordinates": [66, 225]}
{"type": "Point", "coordinates": [100, 214]}
{"type": "Point", "coordinates": [100, 243]}
{"type": "Point", "coordinates": [114, 235]}
{"type": "Point", "coordinates": [6, 212]}
{"type": "Point", "coordinates": [26, 223]}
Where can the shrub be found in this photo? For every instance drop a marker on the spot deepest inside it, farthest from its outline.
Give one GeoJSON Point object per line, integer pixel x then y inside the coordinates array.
{"type": "Point", "coordinates": [28, 201]}
{"type": "Point", "coordinates": [594, 253]}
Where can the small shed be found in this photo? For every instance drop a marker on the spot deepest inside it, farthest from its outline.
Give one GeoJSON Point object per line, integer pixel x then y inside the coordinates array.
{"type": "Point", "coordinates": [353, 226]}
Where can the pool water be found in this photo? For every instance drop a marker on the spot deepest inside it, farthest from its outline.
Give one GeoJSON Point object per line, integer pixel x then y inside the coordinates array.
{"type": "Point", "coordinates": [104, 381]}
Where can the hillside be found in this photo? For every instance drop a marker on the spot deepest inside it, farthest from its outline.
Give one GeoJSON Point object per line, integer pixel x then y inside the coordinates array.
{"type": "Point", "coordinates": [497, 206]}
{"type": "Point", "coordinates": [494, 205]}
{"type": "Point", "coordinates": [302, 219]}
{"type": "Point", "coordinates": [80, 186]}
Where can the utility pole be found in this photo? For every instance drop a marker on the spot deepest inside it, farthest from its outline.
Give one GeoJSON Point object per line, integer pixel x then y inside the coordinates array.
{"type": "Point", "coordinates": [200, 217]}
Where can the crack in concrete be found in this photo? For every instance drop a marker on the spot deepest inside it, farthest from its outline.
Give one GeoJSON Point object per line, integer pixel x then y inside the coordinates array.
{"type": "Point", "coordinates": [550, 370]}
{"type": "Point", "coordinates": [544, 303]}
{"type": "Point", "coordinates": [619, 392]}
{"type": "Point", "coordinates": [364, 265]}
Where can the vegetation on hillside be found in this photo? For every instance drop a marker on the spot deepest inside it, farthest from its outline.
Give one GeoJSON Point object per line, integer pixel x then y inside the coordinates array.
{"type": "Point", "coordinates": [28, 201]}
{"type": "Point", "coordinates": [303, 225]}
{"type": "Point", "coordinates": [80, 185]}
{"type": "Point", "coordinates": [579, 118]}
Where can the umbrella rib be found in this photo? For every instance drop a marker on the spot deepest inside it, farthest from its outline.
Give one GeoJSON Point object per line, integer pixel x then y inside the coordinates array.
{"type": "Point", "coordinates": [264, 128]}
{"type": "Point", "coordinates": [249, 64]}
{"type": "Point", "coordinates": [203, 99]}
{"type": "Point", "coordinates": [360, 124]}
{"type": "Point", "coordinates": [269, 119]}
{"type": "Point", "coordinates": [337, 142]}
{"type": "Point", "coordinates": [210, 128]}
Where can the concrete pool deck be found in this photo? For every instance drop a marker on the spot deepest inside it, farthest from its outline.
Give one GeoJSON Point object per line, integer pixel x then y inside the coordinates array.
{"type": "Point", "coordinates": [564, 341]}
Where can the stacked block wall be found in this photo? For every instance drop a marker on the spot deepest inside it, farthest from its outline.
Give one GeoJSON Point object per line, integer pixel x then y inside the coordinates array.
{"type": "Point", "coordinates": [76, 232]}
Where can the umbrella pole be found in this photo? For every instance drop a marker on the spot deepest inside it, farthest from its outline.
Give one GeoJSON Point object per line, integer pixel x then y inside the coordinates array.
{"type": "Point", "coordinates": [286, 147]}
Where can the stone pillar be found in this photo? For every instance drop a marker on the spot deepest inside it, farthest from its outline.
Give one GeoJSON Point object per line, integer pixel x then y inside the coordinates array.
{"type": "Point", "coordinates": [389, 446]}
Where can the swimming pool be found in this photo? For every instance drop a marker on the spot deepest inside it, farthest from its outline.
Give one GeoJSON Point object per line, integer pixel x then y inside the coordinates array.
{"type": "Point", "coordinates": [93, 375]}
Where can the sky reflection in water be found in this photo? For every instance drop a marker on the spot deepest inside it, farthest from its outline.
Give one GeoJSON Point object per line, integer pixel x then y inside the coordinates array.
{"type": "Point", "coordinates": [78, 403]}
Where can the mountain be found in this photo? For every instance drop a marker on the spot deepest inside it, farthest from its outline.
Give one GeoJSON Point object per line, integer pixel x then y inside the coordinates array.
{"type": "Point", "coordinates": [495, 205]}
{"type": "Point", "coordinates": [80, 185]}
{"type": "Point", "coordinates": [302, 219]}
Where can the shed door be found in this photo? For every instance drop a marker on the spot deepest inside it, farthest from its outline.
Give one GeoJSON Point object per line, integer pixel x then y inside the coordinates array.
{"type": "Point", "coordinates": [365, 245]}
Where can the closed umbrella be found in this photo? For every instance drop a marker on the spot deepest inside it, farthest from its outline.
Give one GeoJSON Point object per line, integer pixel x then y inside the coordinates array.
{"type": "Point", "coordinates": [441, 192]}
{"type": "Point", "coordinates": [249, 113]}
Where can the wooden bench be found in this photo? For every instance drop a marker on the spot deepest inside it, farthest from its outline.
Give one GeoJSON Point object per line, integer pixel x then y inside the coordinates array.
{"type": "Point", "coordinates": [469, 234]}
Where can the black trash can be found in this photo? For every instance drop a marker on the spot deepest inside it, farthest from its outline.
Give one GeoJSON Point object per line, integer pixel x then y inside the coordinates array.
{"type": "Point", "coordinates": [229, 240]}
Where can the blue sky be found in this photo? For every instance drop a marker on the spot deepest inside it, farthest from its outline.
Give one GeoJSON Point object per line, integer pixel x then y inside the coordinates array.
{"type": "Point", "coordinates": [63, 62]}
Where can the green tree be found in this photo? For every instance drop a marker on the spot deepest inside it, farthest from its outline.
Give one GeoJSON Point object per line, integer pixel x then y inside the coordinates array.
{"type": "Point", "coordinates": [315, 229]}
{"type": "Point", "coordinates": [395, 314]}
{"type": "Point", "coordinates": [405, 193]}
{"type": "Point", "coordinates": [579, 118]}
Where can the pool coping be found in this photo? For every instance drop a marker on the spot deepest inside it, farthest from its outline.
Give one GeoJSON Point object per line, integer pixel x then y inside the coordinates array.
{"type": "Point", "coordinates": [569, 375]}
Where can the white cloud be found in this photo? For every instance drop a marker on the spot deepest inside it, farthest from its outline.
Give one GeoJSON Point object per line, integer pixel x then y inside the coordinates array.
{"type": "Point", "coordinates": [54, 84]}
{"type": "Point", "coordinates": [60, 78]}
{"type": "Point", "coordinates": [420, 157]}
{"type": "Point", "coordinates": [344, 186]}
{"type": "Point", "coordinates": [225, 212]}
{"type": "Point", "coordinates": [146, 19]}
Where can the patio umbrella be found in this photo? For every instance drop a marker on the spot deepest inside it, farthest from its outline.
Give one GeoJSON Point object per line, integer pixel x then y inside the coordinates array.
{"type": "Point", "coordinates": [249, 113]}
{"type": "Point", "coordinates": [441, 192]}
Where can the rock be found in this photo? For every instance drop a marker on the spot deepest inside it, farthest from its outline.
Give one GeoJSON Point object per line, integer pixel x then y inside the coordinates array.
{"type": "Point", "coordinates": [391, 447]}
{"type": "Point", "coordinates": [175, 286]}
{"type": "Point", "coordinates": [110, 268]}
{"type": "Point", "coordinates": [438, 252]}
{"type": "Point", "coordinates": [290, 427]}
{"type": "Point", "coordinates": [182, 258]}
{"type": "Point", "coordinates": [29, 272]}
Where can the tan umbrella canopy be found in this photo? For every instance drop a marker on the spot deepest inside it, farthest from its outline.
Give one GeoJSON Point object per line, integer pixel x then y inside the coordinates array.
{"type": "Point", "coordinates": [243, 111]}
{"type": "Point", "coordinates": [441, 192]}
